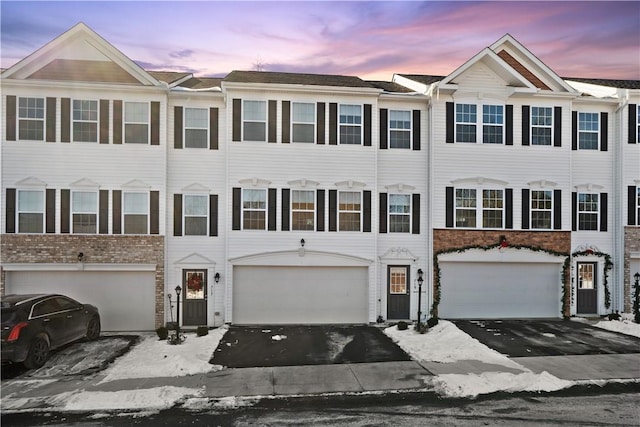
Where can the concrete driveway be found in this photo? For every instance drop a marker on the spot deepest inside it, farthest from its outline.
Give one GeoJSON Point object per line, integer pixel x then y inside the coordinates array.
{"type": "Point", "coordinates": [296, 345]}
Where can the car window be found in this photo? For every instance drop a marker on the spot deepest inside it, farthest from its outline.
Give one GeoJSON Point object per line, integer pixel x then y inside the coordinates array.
{"type": "Point", "coordinates": [45, 307]}
{"type": "Point", "coordinates": [66, 303]}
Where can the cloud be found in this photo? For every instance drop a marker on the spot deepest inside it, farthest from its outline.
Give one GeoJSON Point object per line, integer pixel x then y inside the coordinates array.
{"type": "Point", "coordinates": [185, 53]}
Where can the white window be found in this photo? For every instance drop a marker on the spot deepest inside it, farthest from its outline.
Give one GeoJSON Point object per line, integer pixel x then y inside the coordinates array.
{"type": "Point", "coordinates": [397, 280]}
{"type": "Point", "coordinates": [399, 213]}
{"type": "Point", "coordinates": [466, 120]}
{"type": "Point", "coordinates": [638, 204]}
{"type": "Point", "coordinates": [85, 120]}
{"type": "Point", "coordinates": [30, 211]}
{"type": "Point", "coordinates": [351, 124]}
{"type": "Point", "coordinates": [31, 119]}
{"type": "Point", "coordinates": [475, 207]}
{"type": "Point", "coordinates": [196, 215]}
{"type": "Point", "coordinates": [196, 128]}
{"type": "Point", "coordinates": [399, 129]}
{"type": "Point", "coordinates": [303, 122]}
{"type": "Point", "coordinates": [349, 210]}
{"type": "Point", "coordinates": [254, 209]}
{"type": "Point", "coordinates": [136, 213]}
{"type": "Point", "coordinates": [136, 122]}
{"type": "Point", "coordinates": [488, 129]}
{"type": "Point", "coordinates": [638, 124]}
{"type": "Point", "coordinates": [303, 209]}
{"type": "Point", "coordinates": [588, 131]}
{"type": "Point", "coordinates": [84, 212]}
{"type": "Point", "coordinates": [492, 124]}
{"type": "Point", "coordinates": [541, 209]}
{"type": "Point", "coordinates": [588, 211]}
{"type": "Point", "coordinates": [492, 208]}
{"type": "Point", "coordinates": [254, 120]}
{"type": "Point", "coordinates": [541, 125]}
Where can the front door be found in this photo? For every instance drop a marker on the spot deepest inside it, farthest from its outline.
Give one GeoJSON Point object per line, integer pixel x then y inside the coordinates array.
{"type": "Point", "coordinates": [398, 292]}
{"type": "Point", "coordinates": [587, 296]}
{"type": "Point", "coordinates": [194, 295]}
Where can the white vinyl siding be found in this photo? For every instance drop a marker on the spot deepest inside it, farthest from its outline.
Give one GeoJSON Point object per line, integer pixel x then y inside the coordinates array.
{"type": "Point", "coordinates": [30, 211]}
{"type": "Point", "coordinates": [85, 120]}
{"type": "Point", "coordinates": [84, 212]}
{"type": "Point", "coordinates": [31, 119]}
{"type": "Point", "coordinates": [136, 122]}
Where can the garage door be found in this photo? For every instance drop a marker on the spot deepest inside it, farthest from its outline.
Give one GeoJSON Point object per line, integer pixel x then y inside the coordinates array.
{"type": "Point", "coordinates": [126, 300]}
{"type": "Point", "coordinates": [278, 295]}
{"type": "Point", "coordinates": [499, 290]}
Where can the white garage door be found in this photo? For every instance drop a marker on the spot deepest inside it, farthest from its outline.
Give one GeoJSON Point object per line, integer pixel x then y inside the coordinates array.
{"type": "Point", "coordinates": [499, 290]}
{"type": "Point", "coordinates": [126, 300]}
{"type": "Point", "coordinates": [278, 295]}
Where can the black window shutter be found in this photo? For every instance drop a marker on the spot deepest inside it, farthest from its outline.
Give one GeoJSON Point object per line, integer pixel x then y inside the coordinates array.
{"type": "Point", "coordinates": [633, 126]}
{"type": "Point", "coordinates": [526, 125]}
{"type": "Point", "coordinates": [177, 214]}
{"type": "Point", "coordinates": [237, 123]}
{"type": "Point", "coordinates": [10, 210]}
{"type": "Point", "coordinates": [508, 208]}
{"type": "Point", "coordinates": [320, 210]}
{"type": "Point", "coordinates": [415, 214]}
{"type": "Point", "coordinates": [213, 215]}
{"type": "Point", "coordinates": [509, 125]}
{"type": "Point", "coordinates": [286, 193]}
{"type": "Point", "coordinates": [333, 210]}
{"type": "Point", "coordinates": [103, 212]}
{"type": "Point", "coordinates": [273, 106]}
{"type": "Point", "coordinates": [65, 211]}
{"type": "Point", "coordinates": [416, 129]}
{"type": "Point", "coordinates": [50, 201]}
{"type": "Point", "coordinates": [104, 121]}
{"type": "Point", "coordinates": [117, 126]}
{"type": "Point", "coordinates": [367, 125]}
{"type": "Point", "coordinates": [116, 206]}
{"type": "Point", "coordinates": [154, 217]}
{"type": "Point", "coordinates": [574, 211]}
{"type": "Point", "coordinates": [450, 135]}
{"type": "Point", "coordinates": [525, 209]}
{"type": "Point", "coordinates": [213, 128]}
{"type": "Point", "coordinates": [51, 120]}
{"type": "Point", "coordinates": [65, 120]}
{"type": "Point", "coordinates": [272, 206]}
{"type": "Point", "coordinates": [631, 205]}
{"type": "Point", "coordinates": [604, 131]}
{"type": "Point", "coordinates": [449, 201]}
{"type": "Point", "coordinates": [237, 206]}
{"type": "Point", "coordinates": [286, 122]}
{"type": "Point", "coordinates": [177, 127]}
{"type": "Point", "coordinates": [155, 124]}
{"type": "Point", "coordinates": [574, 130]}
{"type": "Point", "coordinates": [11, 122]}
{"type": "Point", "coordinates": [320, 123]}
{"type": "Point", "coordinates": [557, 209]}
{"type": "Point", "coordinates": [603, 212]}
{"type": "Point", "coordinates": [557, 126]}
{"type": "Point", "coordinates": [383, 213]}
{"type": "Point", "coordinates": [333, 125]}
{"type": "Point", "coordinates": [366, 212]}
{"type": "Point", "coordinates": [384, 118]}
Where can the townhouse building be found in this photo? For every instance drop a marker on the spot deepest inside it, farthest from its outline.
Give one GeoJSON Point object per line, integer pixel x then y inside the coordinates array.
{"type": "Point", "coordinates": [500, 190]}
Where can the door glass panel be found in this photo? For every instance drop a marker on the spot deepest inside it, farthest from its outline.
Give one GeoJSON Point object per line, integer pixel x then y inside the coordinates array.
{"type": "Point", "coordinates": [398, 280]}
{"type": "Point", "coordinates": [195, 285]}
{"type": "Point", "coordinates": [585, 276]}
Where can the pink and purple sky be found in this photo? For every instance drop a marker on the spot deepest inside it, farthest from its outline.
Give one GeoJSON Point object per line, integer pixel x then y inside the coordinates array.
{"type": "Point", "coordinates": [371, 40]}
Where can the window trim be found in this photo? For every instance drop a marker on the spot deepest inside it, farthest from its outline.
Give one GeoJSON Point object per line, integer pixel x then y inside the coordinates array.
{"type": "Point", "coordinates": [595, 212]}
{"type": "Point", "coordinates": [409, 214]}
{"type": "Point", "coordinates": [124, 213]}
{"type": "Point", "coordinates": [409, 130]}
{"type": "Point", "coordinates": [550, 210]}
{"type": "Point", "coordinates": [590, 132]}
{"type": "Point", "coordinates": [96, 213]}
{"type": "Point", "coordinates": [265, 210]}
{"type": "Point", "coordinates": [125, 122]}
{"type": "Point", "coordinates": [43, 212]}
{"type": "Point", "coordinates": [340, 211]}
{"type": "Point", "coordinates": [41, 120]}
{"type": "Point", "coordinates": [480, 123]}
{"type": "Point", "coordinates": [185, 215]}
{"type": "Point", "coordinates": [312, 123]}
{"type": "Point", "coordinates": [185, 127]}
{"type": "Point", "coordinates": [551, 127]}
{"type": "Point", "coordinates": [394, 269]}
{"type": "Point", "coordinates": [265, 122]}
{"type": "Point", "coordinates": [479, 208]}
{"type": "Point", "coordinates": [96, 121]}
{"type": "Point", "coordinates": [358, 125]}
{"type": "Point", "coordinates": [312, 210]}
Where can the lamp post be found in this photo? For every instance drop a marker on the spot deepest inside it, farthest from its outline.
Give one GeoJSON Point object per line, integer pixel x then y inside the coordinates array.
{"type": "Point", "coordinates": [420, 281]}
{"type": "Point", "coordinates": [636, 298]}
{"type": "Point", "coordinates": [178, 292]}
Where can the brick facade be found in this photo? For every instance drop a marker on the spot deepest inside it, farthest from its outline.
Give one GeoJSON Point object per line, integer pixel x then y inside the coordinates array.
{"type": "Point", "coordinates": [631, 244]}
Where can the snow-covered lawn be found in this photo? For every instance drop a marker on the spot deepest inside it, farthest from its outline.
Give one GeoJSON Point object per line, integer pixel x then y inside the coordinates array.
{"type": "Point", "coordinates": [624, 325]}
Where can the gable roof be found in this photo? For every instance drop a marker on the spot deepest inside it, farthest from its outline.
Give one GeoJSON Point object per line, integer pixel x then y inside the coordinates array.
{"type": "Point", "coordinates": [295, 79]}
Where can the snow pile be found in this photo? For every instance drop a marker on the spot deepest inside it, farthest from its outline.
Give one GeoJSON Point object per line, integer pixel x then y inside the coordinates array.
{"type": "Point", "coordinates": [153, 398]}
{"type": "Point", "coordinates": [624, 326]}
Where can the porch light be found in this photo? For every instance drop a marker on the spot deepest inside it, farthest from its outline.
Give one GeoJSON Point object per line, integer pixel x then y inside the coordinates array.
{"type": "Point", "coordinates": [302, 243]}
{"type": "Point", "coordinates": [637, 276]}
{"type": "Point", "coordinates": [216, 277]}
{"type": "Point", "coordinates": [80, 256]}
{"type": "Point", "coordinates": [420, 281]}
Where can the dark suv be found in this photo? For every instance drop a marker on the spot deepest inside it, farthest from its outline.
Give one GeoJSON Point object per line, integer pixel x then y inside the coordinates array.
{"type": "Point", "coordinates": [32, 325]}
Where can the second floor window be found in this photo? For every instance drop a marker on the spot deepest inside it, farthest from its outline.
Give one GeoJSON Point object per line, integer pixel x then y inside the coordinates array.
{"type": "Point", "coordinates": [351, 124]}
{"type": "Point", "coordinates": [254, 120]}
{"type": "Point", "coordinates": [349, 210]}
{"type": "Point", "coordinates": [136, 123]}
{"type": "Point", "coordinates": [30, 211]}
{"type": "Point", "coordinates": [541, 209]}
{"type": "Point", "coordinates": [196, 215]}
{"type": "Point", "coordinates": [135, 213]}
{"type": "Point", "coordinates": [399, 129]}
{"type": "Point", "coordinates": [466, 119]}
{"type": "Point", "coordinates": [588, 131]}
{"type": "Point", "coordinates": [492, 124]}
{"type": "Point", "coordinates": [469, 215]}
{"type": "Point", "coordinates": [541, 125]}
{"type": "Point", "coordinates": [254, 209]}
{"type": "Point", "coordinates": [303, 122]}
{"type": "Point", "coordinates": [84, 207]}
{"type": "Point", "coordinates": [399, 213]}
{"type": "Point", "coordinates": [196, 128]}
{"type": "Point", "coordinates": [85, 120]}
{"type": "Point", "coordinates": [302, 209]}
{"type": "Point", "coordinates": [31, 119]}
{"type": "Point", "coordinates": [588, 211]}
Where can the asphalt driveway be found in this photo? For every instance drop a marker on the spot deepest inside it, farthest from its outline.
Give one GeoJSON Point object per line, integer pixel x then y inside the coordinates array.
{"type": "Point", "coordinates": [295, 345]}
{"type": "Point", "coordinates": [528, 338]}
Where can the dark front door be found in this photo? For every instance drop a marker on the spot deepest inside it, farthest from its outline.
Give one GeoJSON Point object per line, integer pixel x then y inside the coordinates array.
{"type": "Point", "coordinates": [194, 295]}
{"type": "Point", "coordinates": [587, 296]}
{"type": "Point", "coordinates": [398, 292]}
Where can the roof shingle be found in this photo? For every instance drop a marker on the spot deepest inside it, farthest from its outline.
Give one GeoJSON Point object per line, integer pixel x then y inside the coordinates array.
{"type": "Point", "coordinates": [295, 79]}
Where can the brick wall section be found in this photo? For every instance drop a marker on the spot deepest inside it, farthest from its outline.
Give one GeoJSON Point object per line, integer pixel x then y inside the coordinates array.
{"type": "Point", "coordinates": [42, 248]}
{"type": "Point", "coordinates": [556, 241]}
{"type": "Point", "coordinates": [631, 244]}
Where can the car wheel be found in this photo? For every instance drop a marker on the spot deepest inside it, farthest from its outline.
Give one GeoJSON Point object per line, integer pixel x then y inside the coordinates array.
{"type": "Point", "coordinates": [93, 328]}
{"type": "Point", "coordinates": [38, 353]}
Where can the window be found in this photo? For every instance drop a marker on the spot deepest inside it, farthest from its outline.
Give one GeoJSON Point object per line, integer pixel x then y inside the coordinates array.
{"type": "Point", "coordinates": [351, 124]}
{"type": "Point", "coordinates": [254, 209]}
{"type": "Point", "coordinates": [490, 215]}
{"type": "Point", "coordinates": [397, 280]}
{"type": "Point", "coordinates": [466, 118]}
{"type": "Point", "coordinates": [136, 123]}
{"type": "Point", "coordinates": [492, 124]}
{"type": "Point", "coordinates": [85, 120]}
{"type": "Point", "coordinates": [302, 209]}
{"type": "Point", "coordinates": [31, 119]}
{"type": "Point", "coordinates": [84, 208]}
{"type": "Point", "coordinates": [492, 208]}
{"type": "Point", "coordinates": [541, 125]}
{"type": "Point", "coordinates": [136, 213]}
{"type": "Point", "coordinates": [30, 211]}
{"type": "Point", "coordinates": [465, 207]}
{"type": "Point", "coordinates": [399, 213]}
{"type": "Point", "coordinates": [399, 129]}
{"type": "Point", "coordinates": [254, 124]}
{"type": "Point", "coordinates": [638, 204]}
{"type": "Point", "coordinates": [638, 123]}
{"type": "Point", "coordinates": [587, 211]}
{"type": "Point", "coordinates": [349, 210]}
{"type": "Point", "coordinates": [541, 209]}
{"type": "Point", "coordinates": [588, 131]}
{"type": "Point", "coordinates": [196, 214]}
{"type": "Point", "coordinates": [196, 127]}
{"type": "Point", "coordinates": [303, 123]}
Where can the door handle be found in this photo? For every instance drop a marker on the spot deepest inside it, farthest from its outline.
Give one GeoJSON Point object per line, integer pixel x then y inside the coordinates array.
{"type": "Point", "coordinates": [69, 316]}
{"type": "Point", "coordinates": [46, 320]}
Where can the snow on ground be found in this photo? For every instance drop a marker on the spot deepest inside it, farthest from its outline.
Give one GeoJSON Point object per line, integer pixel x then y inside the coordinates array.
{"type": "Point", "coordinates": [150, 399]}
{"type": "Point", "coordinates": [624, 326]}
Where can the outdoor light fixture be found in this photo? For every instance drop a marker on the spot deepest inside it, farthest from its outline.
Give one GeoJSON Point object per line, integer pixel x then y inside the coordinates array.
{"type": "Point", "coordinates": [302, 243]}
{"type": "Point", "coordinates": [637, 276]}
{"type": "Point", "coordinates": [420, 281]}
{"type": "Point", "coordinates": [216, 277]}
{"type": "Point", "coordinates": [80, 256]}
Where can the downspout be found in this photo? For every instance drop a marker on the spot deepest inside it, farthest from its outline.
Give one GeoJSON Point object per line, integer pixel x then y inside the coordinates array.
{"type": "Point", "coordinates": [618, 282]}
